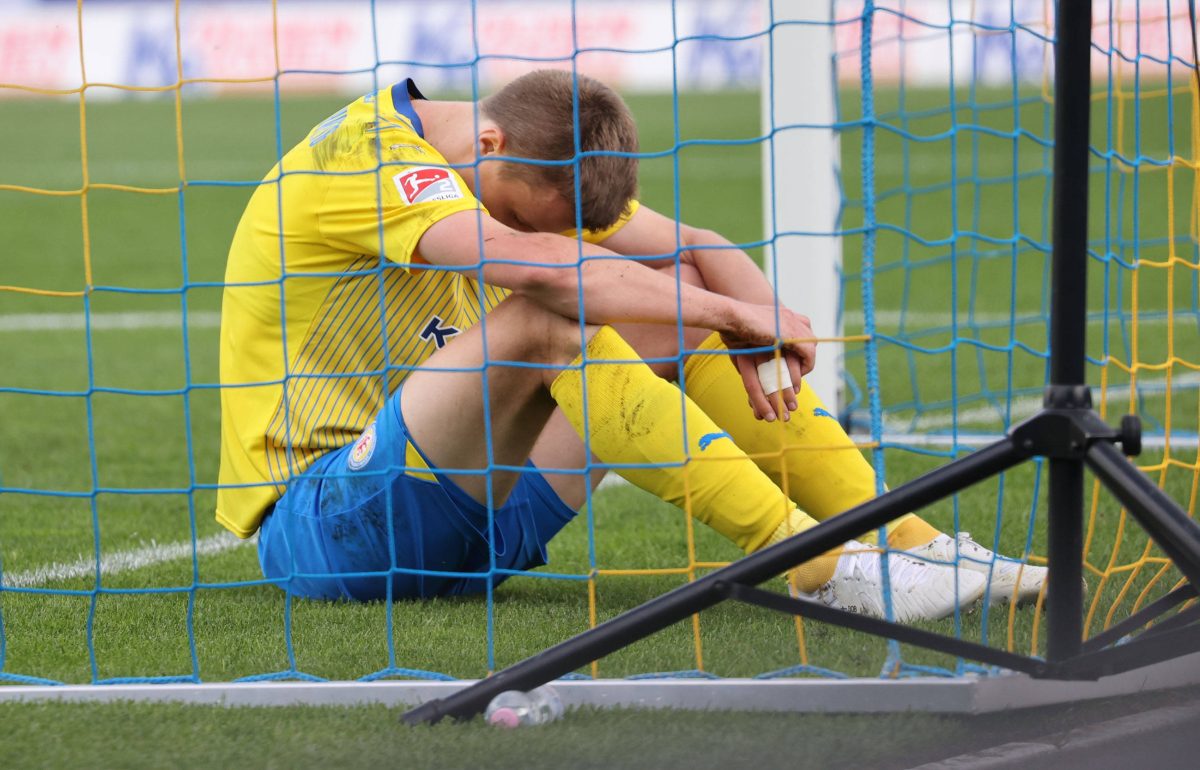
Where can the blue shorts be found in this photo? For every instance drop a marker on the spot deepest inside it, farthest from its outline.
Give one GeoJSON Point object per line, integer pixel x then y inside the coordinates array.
{"type": "Point", "coordinates": [377, 510]}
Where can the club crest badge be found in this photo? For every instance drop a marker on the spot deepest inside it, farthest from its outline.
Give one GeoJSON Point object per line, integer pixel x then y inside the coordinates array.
{"type": "Point", "coordinates": [427, 183]}
{"type": "Point", "coordinates": [360, 453]}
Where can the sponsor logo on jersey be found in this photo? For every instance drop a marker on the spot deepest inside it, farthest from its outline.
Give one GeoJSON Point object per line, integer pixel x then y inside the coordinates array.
{"type": "Point", "coordinates": [360, 453]}
{"type": "Point", "coordinates": [427, 183]}
{"type": "Point", "coordinates": [434, 330]}
{"type": "Point", "coordinates": [819, 412]}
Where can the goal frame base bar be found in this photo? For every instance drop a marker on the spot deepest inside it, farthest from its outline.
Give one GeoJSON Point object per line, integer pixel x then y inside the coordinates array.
{"type": "Point", "coordinates": [969, 694]}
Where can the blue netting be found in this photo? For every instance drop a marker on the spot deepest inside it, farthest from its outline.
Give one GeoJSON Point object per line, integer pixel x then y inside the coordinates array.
{"type": "Point", "coordinates": [944, 121]}
{"type": "Point", "coordinates": [985, 332]}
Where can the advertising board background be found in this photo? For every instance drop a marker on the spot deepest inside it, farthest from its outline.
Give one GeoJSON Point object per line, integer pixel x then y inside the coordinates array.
{"type": "Point", "coordinates": [460, 45]}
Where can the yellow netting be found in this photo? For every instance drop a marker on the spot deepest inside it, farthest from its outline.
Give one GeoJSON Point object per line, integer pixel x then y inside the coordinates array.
{"type": "Point", "coordinates": [1123, 574]}
{"type": "Point", "coordinates": [1131, 564]}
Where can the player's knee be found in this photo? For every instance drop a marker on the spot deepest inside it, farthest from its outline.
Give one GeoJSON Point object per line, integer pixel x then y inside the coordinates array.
{"type": "Point", "coordinates": [549, 337]}
{"type": "Point", "coordinates": [566, 338]}
{"type": "Point", "coordinates": [687, 274]}
{"type": "Point", "coordinates": [690, 275]}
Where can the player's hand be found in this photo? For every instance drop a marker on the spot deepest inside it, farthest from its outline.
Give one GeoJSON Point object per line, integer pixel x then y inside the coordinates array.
{"type": "Point", "coordinates": [796, 351]}
{"type": "Point", "coordinates": [777, 403]}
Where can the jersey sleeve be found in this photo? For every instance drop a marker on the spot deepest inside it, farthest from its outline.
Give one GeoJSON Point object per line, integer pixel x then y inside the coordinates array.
{"type": "Point", "coordinates": [385, 209]}
{"type": "Point", "coordinates": [599, 236]}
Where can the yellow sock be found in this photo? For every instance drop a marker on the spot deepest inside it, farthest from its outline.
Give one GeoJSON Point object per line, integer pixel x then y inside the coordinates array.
{"type": "Point", "coordinates": [635, 417]}
{"type": "Point", "coordinates": [810, 456]}
{"type": "Point", "coordinates": [814, 573]}
{"type": "Point", "coordinates": [910, 531]}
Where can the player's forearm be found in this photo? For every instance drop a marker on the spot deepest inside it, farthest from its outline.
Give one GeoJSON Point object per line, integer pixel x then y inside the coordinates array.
{"type": "Point", "coordinates": [726, 269]}
{"type": "Point", "coordinates": [621, 291]}
{"type": "Point", "coordinates": [596, 284]}
{"type": "Point", "coordinates": [616, 290]}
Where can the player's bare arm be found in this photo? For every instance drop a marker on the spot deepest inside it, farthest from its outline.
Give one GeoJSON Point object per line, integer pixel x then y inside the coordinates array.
{"type": "Point", "coordinates": [547, 269]}
{"type": "Point", "coordinates": [725, 269]}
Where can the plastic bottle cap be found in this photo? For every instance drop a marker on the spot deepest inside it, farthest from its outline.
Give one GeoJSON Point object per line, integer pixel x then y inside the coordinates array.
{"type": "Point", "coordinates": [504, 717]}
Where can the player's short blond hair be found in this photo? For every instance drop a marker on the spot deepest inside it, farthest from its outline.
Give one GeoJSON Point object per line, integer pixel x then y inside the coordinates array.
{"type": "Point", "coordinates": [536, 113]}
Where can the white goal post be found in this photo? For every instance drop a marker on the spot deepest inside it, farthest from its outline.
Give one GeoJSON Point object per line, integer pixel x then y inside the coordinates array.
{"type": "Point", "coordinates": [801, 196]}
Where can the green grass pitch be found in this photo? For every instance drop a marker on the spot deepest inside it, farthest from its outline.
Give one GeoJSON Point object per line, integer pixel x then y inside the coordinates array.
{"type": "Point", "coordinates": [155, 452]}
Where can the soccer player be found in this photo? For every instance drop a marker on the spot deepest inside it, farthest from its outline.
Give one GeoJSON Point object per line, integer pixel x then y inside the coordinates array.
{"type": "Point", "coordinates": [407, 338]}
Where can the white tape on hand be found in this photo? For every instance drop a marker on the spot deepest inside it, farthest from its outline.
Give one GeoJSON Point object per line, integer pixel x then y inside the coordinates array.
{"type": "Point", "coordinates": [774, 376]}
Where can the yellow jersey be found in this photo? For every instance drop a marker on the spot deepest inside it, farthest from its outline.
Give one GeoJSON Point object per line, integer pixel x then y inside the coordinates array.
{"type": "Point", "coordinates": [327, 305]}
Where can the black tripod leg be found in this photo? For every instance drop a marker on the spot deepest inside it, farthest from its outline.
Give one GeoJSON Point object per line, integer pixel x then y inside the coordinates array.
{"type": "Point", "coordinates": [658, 613]}
{"type": "Point", "coordinates": [1064, 589]}
{"type": "Point", "coordinates": [1176, 534]}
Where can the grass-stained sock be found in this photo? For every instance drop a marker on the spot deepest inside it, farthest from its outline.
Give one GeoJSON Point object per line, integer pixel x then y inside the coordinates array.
{"type": "Point", "coordinates": [636, 418]}
{"type": "Point", "coordinates": [810, 456]}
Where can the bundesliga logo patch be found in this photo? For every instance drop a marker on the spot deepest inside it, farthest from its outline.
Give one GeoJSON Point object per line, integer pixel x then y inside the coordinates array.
{"type": "Point", "coordinates": [427, 183]}
{"type": "Point", "coordinates": [360, 453]}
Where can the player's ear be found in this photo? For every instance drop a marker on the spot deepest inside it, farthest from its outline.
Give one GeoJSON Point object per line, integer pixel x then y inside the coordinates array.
{"type": "Point", "coordinates": [490, 140]}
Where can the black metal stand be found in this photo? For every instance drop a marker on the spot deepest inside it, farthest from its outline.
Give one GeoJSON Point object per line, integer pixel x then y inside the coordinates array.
{"type": "Point", "coordinates": [1067, 432]}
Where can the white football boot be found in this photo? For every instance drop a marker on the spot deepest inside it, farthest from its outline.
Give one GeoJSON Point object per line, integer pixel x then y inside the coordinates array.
{"type": "Point", "coordinates": [1010, 578]}
{"type": "Point", "coordinates": [920, 590]}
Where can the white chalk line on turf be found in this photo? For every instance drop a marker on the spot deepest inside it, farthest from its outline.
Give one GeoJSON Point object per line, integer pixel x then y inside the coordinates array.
{"type": "Point", "coordinates": [57, 322]}
{"type": "Point", "coordinates": [123, 561]}
{"type": "Point", "coordinates": [1026, 406]}
{"type": "Point", "coordinates": [916, 320]}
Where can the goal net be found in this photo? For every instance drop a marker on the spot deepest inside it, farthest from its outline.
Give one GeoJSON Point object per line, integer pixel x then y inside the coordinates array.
{"type": "Point", "coordinates": [135, 134]}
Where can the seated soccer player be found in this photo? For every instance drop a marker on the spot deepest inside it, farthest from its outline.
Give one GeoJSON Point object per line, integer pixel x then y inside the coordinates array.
{"type": "Point", "coordinates": [404, 331]}
{"type": "Point", "coordinates": [806, 453]}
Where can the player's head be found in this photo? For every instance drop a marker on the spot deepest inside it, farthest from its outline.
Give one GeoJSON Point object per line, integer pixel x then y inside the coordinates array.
{"type": "Point", "coordinates": [534, 115]}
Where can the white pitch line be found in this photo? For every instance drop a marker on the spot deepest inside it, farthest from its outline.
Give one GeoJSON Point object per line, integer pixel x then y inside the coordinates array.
{"type": "Point", "coordinates": [122, 561]}
{"type": "Point", "coordinates": [1026, 406]}
{"type": "Point", "coordinates": [55, 322]}
{"type": "Point", "coordinates": [917, 319]}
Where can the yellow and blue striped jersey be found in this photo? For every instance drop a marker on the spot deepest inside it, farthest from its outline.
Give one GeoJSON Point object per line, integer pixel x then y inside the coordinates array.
{"type": "Point", "coordinates": [327, 304]}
